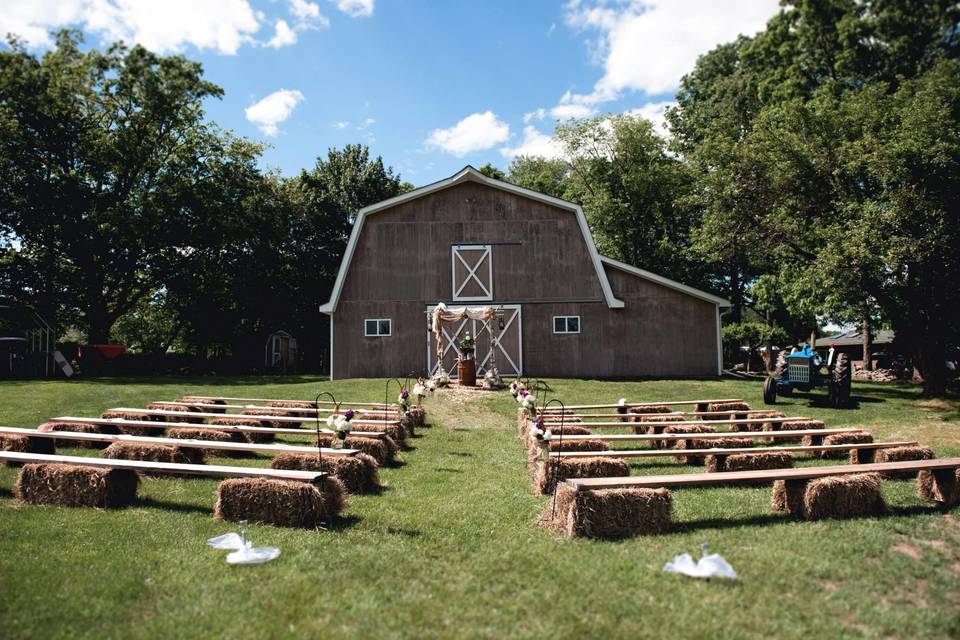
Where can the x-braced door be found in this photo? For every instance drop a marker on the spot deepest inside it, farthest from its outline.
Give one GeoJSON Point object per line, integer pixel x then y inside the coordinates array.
{"type": "Point", "coordinates": [472, 272]}
{"type": "Point", "coordinates": [508, 353]}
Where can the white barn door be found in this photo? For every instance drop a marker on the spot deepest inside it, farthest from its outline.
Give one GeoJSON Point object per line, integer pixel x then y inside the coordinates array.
{"type": "Point", "coordinates": [472, 272]}
{"type": "Point", "coordinates": [509, 352]}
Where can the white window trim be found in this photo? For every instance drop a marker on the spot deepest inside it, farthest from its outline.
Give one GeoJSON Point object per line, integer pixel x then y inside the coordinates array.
{"type": "Point", "coordinates": [564, 333]}
{"type": "Point", "coordinates": [471, 272]}
{"type": "Point", "coordinates": [378, 321]}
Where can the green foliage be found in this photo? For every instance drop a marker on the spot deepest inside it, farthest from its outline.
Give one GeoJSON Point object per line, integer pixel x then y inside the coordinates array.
{"type": "Point", "coordinates": [150, 327]}
{"type": "Point", "coordinates": [492, 172]}
{"type": "Point", "coordinates": [540, 174]}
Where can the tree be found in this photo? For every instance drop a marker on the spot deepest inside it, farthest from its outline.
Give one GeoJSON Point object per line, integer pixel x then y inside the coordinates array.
{"type": "Point", "coordinates": [94, 145]}
{"type": "Point", "coordinates": [492, 172]}
{"type": "Point", "coordinates": [542, 175]}
{"type": "Point", "coordinates": [630, 188]}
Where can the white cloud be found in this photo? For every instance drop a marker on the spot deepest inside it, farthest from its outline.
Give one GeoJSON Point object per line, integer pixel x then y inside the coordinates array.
{"type": "Point", "coordinates": [656, 113]}
{"type": "Point", "coordinates": [476, 132]}
{"type": "Point", "coordinates": [356, 8]}
{"type": "Point", "coordinates": [367, 122]}
{"type": "Point", "coordinates": [340, 125]}
{"type": "Point", "coordinates": [538, 114]}
{"type": "Point", "coordinates": [567, 111]}
{"type": "Point", "coordinates": [220, 25]}
{"type": "Point", "coordinates": [534, 143]}
{"type": "Point", "coordinates": [269, 112]}
{"type": "Point", "coordinates": [648, 45]}
{"type": "Point", "coordinates": [283, 35]}
{"type": "Point", "coordinates": [304, 10]}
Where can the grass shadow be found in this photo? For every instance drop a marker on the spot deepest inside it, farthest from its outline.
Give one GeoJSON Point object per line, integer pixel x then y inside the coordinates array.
{"type": "Point", "coordinates": [449, 470]}
{"type": "Point", "coordinates": [343, 522]}
{"type": "Point", "coordinates": [407, 533]}
{"type": "Point", "coordinates": [179, 507]}
{"type": "Point", "coordinates": [461, 454]}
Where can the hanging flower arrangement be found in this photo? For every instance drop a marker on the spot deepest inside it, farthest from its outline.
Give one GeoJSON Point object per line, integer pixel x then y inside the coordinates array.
{"type": "Point", "coordinates": [341, 424]}
{"type": "Point", "coordinates": [542, 436]}
{"type": "Point", "coordinates": [404, 400]}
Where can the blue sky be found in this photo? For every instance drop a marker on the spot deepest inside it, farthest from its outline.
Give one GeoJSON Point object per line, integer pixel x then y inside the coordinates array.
{"type": "Point", "coordinates": [430, 86]}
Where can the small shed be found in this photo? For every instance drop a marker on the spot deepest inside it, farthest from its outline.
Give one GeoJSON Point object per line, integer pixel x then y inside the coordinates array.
{"type": "Point", "coordinates": [280, 352]}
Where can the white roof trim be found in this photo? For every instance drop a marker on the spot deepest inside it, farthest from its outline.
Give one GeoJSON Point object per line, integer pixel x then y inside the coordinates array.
{"type": "Point", "coordinates": [467, 174]}
{"type": "Point", "coordinates": [666, 282]}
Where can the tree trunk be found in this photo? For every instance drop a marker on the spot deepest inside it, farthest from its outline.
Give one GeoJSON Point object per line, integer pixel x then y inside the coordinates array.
{"type": "Point", "coordinates": [768, 355]}
{"type": "Point", "coordinates": [867, 341]}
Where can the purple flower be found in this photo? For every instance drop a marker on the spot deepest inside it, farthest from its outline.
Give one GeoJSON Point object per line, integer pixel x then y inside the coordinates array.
{"type": "Point", "coordinates": [539, 423]}
{"type": "Point", "coordinates": [348, 415]}
{"type": "Point", "coordinates": [404, 394]}
{"type": "Point", "coordinates": [523, 393]}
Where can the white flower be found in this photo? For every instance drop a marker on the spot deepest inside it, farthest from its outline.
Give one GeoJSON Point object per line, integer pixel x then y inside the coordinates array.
{"type": "Point", "coordinates": [331, 421]}
{"type": "Point", "coordinates": [622, 402]}
{"type": "Point", "coordinates": [343, 425]}
{"type": "Point", "coordinates": [548, 435]}
{"type": "Point", "coordinates": [431, 385]}
{"type": "Point", "coordinates": [419, 390]}
{"type": "Point", "coordinates": [535, 432]}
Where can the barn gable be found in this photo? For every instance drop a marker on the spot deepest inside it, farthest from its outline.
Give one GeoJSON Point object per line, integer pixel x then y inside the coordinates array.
{"type": "Point", "coordinates": [465, 176]}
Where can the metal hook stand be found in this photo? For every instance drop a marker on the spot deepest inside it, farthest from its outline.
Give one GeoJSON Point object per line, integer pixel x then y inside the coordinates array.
{"type": "Point", "coordinates": [538, 387]}
{"type": "Point", "coordinates": [386, 394]}
{"type": "Point", "coordinates": [556, 467]}
{"type": "Point", "coordinates": [336, 410]}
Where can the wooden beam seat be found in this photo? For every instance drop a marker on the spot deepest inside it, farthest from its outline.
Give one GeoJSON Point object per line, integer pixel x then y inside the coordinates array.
{"type": "Point", "coordinates": [236, 416]}
{"type": "Point", "coordinates": [673, 438]}
{"type": "Point", "coordinates": [308, 411]}
{"type": "Point", "coordinates": [666, 423]}
{"type": "Point", "coordinates": [174, 442]}
{"type": "Point", "coordinates": [679, 453]}
{"type": "Point", "coordinates": [226, 399]}
{"type": "Point", "coordinates": [638, 505]}
{"type": "Point", "coordinates": [667, 403]}
{"type": "Point", "coordinates": [215, 427]}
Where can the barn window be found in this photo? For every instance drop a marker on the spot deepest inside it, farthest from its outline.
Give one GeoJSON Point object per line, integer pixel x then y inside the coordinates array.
{"type": "Point", "coordinates": [472, 272]}
{"type": "Point", "coordinates": [566, 324]}
{"type": "Point", "coordinates": [377, 327]}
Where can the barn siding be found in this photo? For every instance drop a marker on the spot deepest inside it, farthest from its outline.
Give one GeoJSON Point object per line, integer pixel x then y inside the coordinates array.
{"type": "Point", "coordinates": [402, 263]}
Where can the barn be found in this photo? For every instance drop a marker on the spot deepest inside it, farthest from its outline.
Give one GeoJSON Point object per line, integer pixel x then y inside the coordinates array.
{"type": "Point", "coordinates": [471, 240]}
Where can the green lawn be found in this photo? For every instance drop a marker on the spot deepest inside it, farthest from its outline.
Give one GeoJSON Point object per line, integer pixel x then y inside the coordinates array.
{"type": "Point", "coordinates": [452, 548]}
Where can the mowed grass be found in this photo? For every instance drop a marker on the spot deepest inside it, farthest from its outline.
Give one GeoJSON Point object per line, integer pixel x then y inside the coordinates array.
{"type": "Point", "coordinates": [451, 549]}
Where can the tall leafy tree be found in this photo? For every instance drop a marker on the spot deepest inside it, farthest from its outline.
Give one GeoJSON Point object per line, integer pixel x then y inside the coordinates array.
{"type": "Point", "coordinates": [92, 146]}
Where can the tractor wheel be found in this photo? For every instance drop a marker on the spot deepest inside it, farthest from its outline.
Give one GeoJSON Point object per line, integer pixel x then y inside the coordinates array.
{"type": "Point", "coordinates": [780, 373]}
{"type": "Point", "coordinates": [770, 391]}
{"type": "Point", "coordinates": [840, 379]}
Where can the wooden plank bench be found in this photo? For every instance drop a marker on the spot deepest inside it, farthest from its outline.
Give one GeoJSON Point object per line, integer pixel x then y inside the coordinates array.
{"type": "Point", "coordinates": [323, 402]}
{"type": "Point", "coordinates": [151, 424]}
{"type": "Point", "coordinates": [175, 442]}
{"type": "Point", "coordinates": [747, 412]}
{"type": "Point", "coordinates": [674, 437]}
{"type": "Point", "coordinates": [770, 475]}
{"type": "Point", "coordinates": [312, 412]}
{"type": "Point", "coordinates": [214, 471]}
{"type": "Point", "coordinates": [669, 403]}
{"type": "Point", "coordinates": [238, 416]}
{"type": "Point", "coordinates": [661, 423]}
{"type": "Point", "coordinates": [663, 453]}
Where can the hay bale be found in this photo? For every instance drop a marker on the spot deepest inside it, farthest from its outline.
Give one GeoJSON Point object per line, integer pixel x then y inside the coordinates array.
{"type": "Point", "coordinates": [793, 425]}
{"type": "Point", "coordinates": [756, 426]}
{"type": "Point", "coordinates": [419, 415]}
{"type": "Point", "coordinates": [718, 443]}
{"type": "Point", "coordinates": [940, 485]}
{"type": "Point", "coordinates": [292, 404]}
{"type": "Point", "coordinates": [205, 405]}
{"type": "Point", "coordinates": [273, 424]}
{"type": "Point", "coordinates": [396, 432]}
{"type": "Point", "coordinates": [133, 430]}
{"type": "Point", "coordinates": [843, 497]}
{"type": "Point", "coordinates": [608, 513]}
{"type": "Point", "coordinates": [843, 438]}
{"type": "Point", "coordinates": [901, 454]}
{"type": "Point", "coordinates": [788, 496]}
{"type": "Point", "coordinates": [79, 427]}
{"type": "Point", "coordinates": [283, 503]}
{"type": "Point", "coordinates": [359, 473]}
{"type": "Point", "coordinates": [248, 436]}
{"type": "Point", "coordinates": [682, 429]}
{"type": "Point", "coordinates": [67, 485]}
{"type": "Point", "coordinates": [154, 453]}
{"type": "Point", "coordinates": [862, 456]}
{"type": "Point", "coordinates": [749, 462]}
{"type": "Point", "coordinates": [212, 435]}
{"type": "Point", "coordinates": [728, 406]}
{"type": "Point", "coordinates": [25, 444]}
{"type": "Point", "coordinates": [640, 428]}
{"type": "Point", "coordinates": [566, 430]}
{"type": "Point", "coordinates": [379, 449]}
{"type": "Point", "coordinates": [182, 409]}
{"type": "Point", "coordinates": [547, 475]}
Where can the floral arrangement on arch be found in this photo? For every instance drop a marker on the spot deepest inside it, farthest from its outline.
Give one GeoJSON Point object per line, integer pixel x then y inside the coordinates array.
{"type": "Point", "coordinates": [467, 342]}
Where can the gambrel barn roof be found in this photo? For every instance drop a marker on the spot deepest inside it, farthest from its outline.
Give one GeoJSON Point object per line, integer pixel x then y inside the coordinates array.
{"type": "Point", "coordinates": [469, 174]}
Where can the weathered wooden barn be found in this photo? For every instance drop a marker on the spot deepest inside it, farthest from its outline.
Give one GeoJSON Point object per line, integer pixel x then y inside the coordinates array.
{"type": "Point", "coordinates": [472, 240]}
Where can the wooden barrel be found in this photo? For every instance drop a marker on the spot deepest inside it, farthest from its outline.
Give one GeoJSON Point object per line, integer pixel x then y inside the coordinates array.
{"type": "Point", "coordinates": [467, 372]}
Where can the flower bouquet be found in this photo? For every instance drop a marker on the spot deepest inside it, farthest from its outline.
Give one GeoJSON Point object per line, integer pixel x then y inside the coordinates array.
{"type": "Point", "coordinates": [404, 401]}
{"type": "Point", "coordinates": [341, 424]}
{"type": "Point", "coordinates": [542, 436]}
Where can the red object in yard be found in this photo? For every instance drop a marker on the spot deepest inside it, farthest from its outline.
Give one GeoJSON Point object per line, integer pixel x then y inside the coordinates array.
{"type": "Point", "coordinates": [108, 351]}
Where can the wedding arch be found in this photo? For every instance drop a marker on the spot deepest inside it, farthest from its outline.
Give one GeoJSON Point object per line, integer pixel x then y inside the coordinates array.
{"type": "Point", "coordinates": [442, 313]}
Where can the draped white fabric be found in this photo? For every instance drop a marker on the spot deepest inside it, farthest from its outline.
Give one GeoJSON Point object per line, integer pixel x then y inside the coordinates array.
{"type": "Point", "coordinates": [443, 314]}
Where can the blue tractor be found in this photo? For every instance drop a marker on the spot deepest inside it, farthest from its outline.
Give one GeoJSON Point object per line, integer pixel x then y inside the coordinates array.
{"type": "Point", "coordinates": [804, 369]}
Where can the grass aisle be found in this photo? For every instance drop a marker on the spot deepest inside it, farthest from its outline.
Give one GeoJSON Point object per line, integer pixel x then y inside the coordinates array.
{"type": "Point", "coordinates": [451, 548]}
